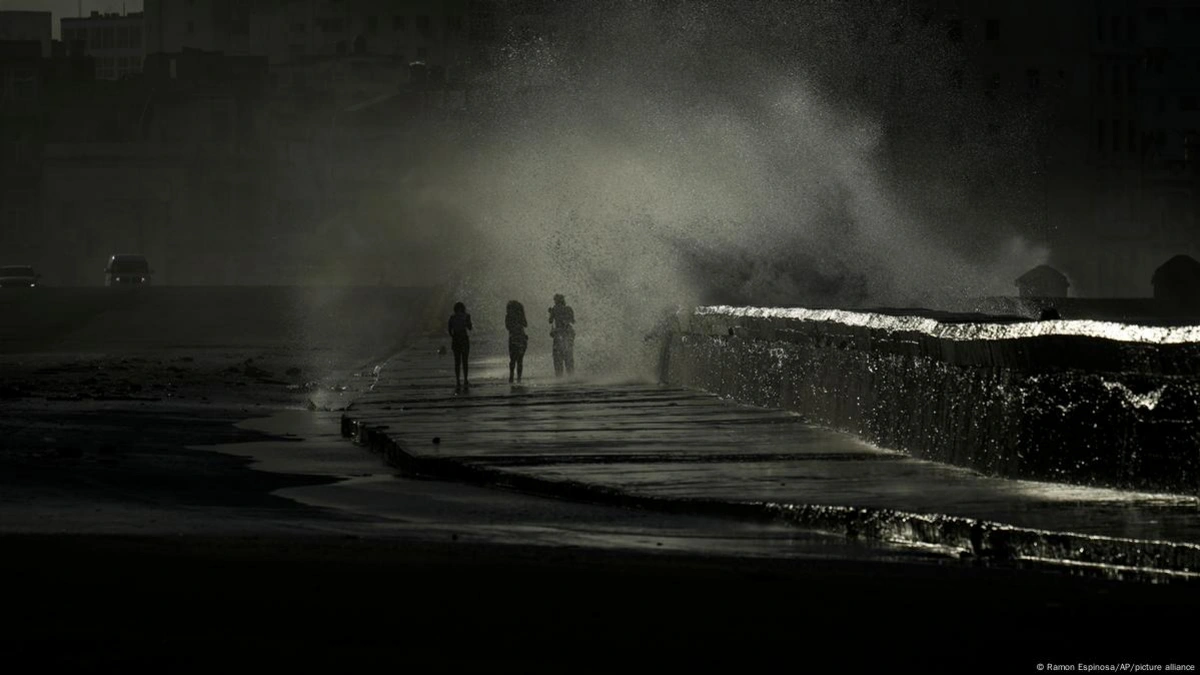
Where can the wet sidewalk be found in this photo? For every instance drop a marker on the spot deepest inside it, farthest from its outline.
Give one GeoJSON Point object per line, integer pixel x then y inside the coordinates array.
{"type": "Point", "coordinates": [646, 446]}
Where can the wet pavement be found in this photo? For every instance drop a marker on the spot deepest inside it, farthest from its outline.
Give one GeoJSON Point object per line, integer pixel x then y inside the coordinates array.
{"type": "Point", "coordinates": [229, 427]}
{"type": "Point", "coordinates": [368, 500]}
{"type": "Point", "coordinates": [650, 446]}
{"type": "Point", "coordinates": [153, 487]}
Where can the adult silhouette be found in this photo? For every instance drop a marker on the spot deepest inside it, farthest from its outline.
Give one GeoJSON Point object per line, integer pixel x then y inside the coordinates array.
{"type": "Point", "coordinates": [518, 340]}
{"type": "Point", "coordinates": [562, 318]}
{"type": "Point", "coordinates": [460, 341]}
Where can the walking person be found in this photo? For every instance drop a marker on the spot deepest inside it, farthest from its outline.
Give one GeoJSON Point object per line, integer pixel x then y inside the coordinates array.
{"type": "Point", "coordinates": [460, 342]}
{"type": "Point", "coordinates": [518, 340]}
{"type": "Point", "coordinates": [562, 317]}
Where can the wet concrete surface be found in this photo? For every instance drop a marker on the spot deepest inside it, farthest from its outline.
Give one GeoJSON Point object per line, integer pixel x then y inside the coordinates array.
{"type": "Point", "coordinates": [372, 501]}
{"type": "Point", "coordinates": [227, 525]}
{"type": "Point", "coordinates": [673, 445]}
{"type": "Point", "coordinates": [246, 442]}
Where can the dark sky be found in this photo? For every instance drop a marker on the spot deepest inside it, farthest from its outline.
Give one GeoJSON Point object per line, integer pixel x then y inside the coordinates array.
{"type": "Point", "coordinates": [70, 8]}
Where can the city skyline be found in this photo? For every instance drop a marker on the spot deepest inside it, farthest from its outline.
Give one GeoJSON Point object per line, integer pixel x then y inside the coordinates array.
{"type": "Point", "coordinates": [995, 138]}
{"type": "Point", "coordinates": [70, 9]}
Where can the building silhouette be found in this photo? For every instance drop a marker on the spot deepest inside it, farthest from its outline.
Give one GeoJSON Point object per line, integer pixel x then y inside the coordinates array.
{"type": "Point", "coordinates": [115, 41]}
{"type": "Point", "coordinates": [239, 149]}
{"type": "Point", "coordinates": [323, 97]}
{"type": "Point", "coordinates": [27, 26]}
{"type": "Point", "coordinates": [434, 32]}
{"type": "Point", "coordinates": [1114, 84]}
{"type": "Point", "coordinates": [33, 80]}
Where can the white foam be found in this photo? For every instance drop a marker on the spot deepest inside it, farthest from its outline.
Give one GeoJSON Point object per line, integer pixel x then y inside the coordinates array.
{"type": "Point", "coordinates": [1105, 330]}
{"type": "Point", "coordinates": [1149, 400]}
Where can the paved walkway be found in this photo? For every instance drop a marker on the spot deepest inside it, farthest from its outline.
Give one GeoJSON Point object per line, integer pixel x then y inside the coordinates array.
{"type": "Point", "coordinates": [649, 446]}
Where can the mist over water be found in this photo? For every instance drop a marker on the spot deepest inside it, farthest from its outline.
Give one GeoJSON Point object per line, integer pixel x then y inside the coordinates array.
{"type": "Point", "coordinates": [669, 153]}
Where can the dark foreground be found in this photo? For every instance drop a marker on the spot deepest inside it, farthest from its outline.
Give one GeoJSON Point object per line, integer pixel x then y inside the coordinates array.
{"type": "Point", "coordinates": [111, 604]}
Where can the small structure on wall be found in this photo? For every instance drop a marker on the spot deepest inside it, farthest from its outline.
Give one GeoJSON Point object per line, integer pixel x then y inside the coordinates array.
{"type": "Point", "coordinates": [1042, 281]}
{"type": "Point", "coordinates": [1177, 283]}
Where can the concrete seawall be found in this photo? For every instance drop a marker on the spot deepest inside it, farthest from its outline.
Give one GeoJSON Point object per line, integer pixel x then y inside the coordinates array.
{"type": "Point", "coordinates": [1071, 401]}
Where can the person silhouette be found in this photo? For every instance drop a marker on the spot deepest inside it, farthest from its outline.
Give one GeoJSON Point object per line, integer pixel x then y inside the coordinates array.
{"type": "Point", "coordinates": [518, 340]}
{"type": "Point", "coordinates": [562, 317]}
{"type": "Point", "coordinates": [664, 332]}
{"type": "Point", "coordinates": [460, 341]}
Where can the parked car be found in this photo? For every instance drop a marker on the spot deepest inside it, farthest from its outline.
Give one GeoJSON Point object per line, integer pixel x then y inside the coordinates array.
{"type": "Point", "coordinates": [18, 276]}
{"type": "Point", "coordinates": [127, 269]}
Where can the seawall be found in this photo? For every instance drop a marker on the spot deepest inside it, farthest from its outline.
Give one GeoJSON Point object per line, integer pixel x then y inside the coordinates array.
{"type": "Point", "coordinates": [1074, 401]}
